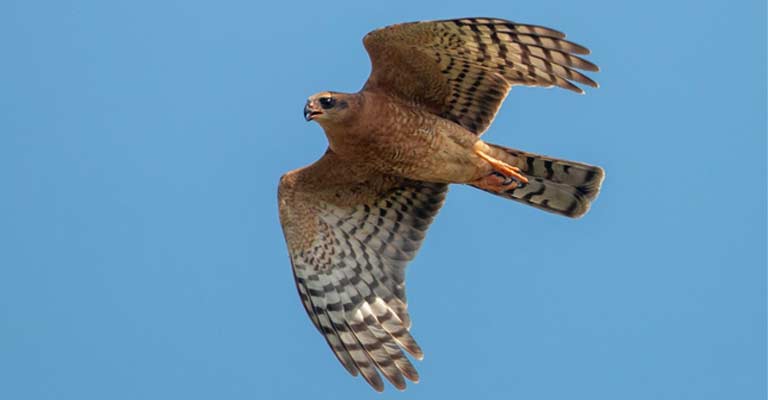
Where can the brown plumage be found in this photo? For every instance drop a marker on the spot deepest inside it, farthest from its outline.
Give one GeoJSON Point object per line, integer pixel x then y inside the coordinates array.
{"type": "Point", "coordinates": [356, 217]}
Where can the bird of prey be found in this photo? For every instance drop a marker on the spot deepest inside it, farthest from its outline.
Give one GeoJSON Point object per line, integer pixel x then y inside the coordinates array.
{"type": "Point", "coordinates": [353, 219]}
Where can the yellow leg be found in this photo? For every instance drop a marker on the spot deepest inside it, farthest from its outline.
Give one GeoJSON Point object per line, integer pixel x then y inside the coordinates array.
{"type": "Point", "coordinates": [501, 166]}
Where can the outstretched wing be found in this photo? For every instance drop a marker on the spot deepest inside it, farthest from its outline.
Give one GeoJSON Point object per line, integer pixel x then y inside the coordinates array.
{"type": "Point", "coordinates": [349, 263]}
{"type": "Point", "coordinates": [462, 69]}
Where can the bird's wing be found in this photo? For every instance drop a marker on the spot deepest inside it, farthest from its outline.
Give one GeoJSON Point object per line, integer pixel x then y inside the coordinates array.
{"type": "Point", "coordinates": [349, 264]}
{"type": "Point", "coordinates": [462, 69]}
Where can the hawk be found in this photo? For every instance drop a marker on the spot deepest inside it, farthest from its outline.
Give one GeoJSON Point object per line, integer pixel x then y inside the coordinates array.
{"type": "Point", "coordinates": [353, 219]}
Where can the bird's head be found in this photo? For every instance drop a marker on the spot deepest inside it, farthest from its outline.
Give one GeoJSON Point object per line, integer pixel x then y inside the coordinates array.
{"type": "Point", "coordinates": [330, 108]}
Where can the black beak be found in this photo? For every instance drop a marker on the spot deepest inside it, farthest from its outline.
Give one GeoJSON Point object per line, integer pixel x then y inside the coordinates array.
{"type": "Point", "coordinates": [311, 111]}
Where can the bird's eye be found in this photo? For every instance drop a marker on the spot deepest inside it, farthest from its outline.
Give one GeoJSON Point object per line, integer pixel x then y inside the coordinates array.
{"type": "Point", "coordinates": [327, 102]}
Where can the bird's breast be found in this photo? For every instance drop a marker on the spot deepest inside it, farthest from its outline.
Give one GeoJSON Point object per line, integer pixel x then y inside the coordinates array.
{"type": "Point", "coordinates": [409, 142]}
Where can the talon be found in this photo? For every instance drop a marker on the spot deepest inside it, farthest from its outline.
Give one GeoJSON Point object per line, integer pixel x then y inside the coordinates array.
{"type": "Point", "coordinates": [497, 182]}
{"type": "Point", "coordinates": [506, 180]}
{"type": "Point", "coordinates": [508, 171]}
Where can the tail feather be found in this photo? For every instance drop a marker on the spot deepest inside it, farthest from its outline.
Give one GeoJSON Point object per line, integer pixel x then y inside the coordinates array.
{"type": "Point", "coordinates": [554, 185]}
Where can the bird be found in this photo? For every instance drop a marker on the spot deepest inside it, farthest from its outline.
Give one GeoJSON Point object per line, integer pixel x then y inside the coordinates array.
{"type": "Point", "coordinates": [353, 219]}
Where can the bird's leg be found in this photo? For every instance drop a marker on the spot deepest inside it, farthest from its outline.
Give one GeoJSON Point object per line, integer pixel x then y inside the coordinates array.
{"type": "Point", "coordinates": [503, 177]}
{"type": "Point", "coordinates": [495, 182]}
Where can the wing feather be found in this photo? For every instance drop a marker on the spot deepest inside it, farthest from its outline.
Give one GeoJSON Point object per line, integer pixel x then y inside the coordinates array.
{"type": "Point", "coordinates": [349, 263]}
{"type": "Point", "coordinates": [462, 69]}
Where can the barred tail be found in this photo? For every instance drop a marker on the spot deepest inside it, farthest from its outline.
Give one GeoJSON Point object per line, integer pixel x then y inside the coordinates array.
{"type": "Point", "coordinates": [558, 186]}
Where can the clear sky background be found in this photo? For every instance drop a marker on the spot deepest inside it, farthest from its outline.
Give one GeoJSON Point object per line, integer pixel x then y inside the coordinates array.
{"type": "Point", "coordinates": [141, 256]}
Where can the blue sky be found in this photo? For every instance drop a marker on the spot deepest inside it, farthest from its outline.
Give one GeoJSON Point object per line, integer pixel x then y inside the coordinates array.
{"type": "Point", "coordinates": [141, 256]}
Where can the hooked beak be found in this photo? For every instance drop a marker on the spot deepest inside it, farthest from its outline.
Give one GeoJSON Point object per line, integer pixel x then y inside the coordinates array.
{"type": "Point", "coordinates": [311, 111]}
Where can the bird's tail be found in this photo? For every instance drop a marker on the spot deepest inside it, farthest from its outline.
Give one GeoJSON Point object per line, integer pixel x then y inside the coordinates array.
{"type": "Point", "coordinates": [558, 186]}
